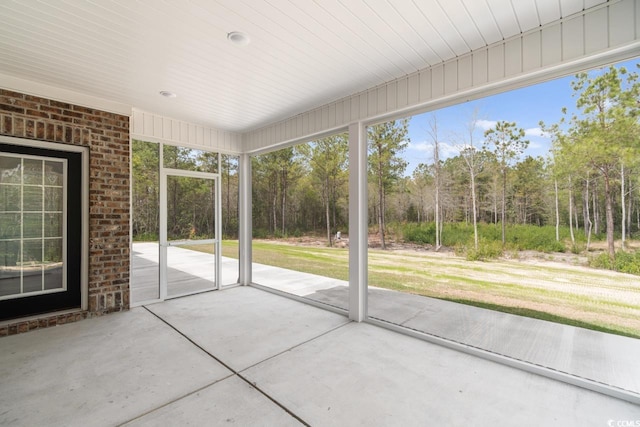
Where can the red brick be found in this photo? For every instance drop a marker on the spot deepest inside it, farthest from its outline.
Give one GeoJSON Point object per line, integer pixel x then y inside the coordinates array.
{"type": "Point", "coordinates": [51, 130]}
{"type": "Point", "coordinates": [61, 118]}
{"type": "Point", "coordinates": [36, 113]}
{"type": "Point", "coordinates": [30, 129]}
{"type": "Point", "coordinates": [18, 126]}
{"type": "Point", "coordinates": [59, 104]}
{"type": "Point", "coordinates": [7, 125]}
{"type": "Point", "coordinates": [49, 109]}
{"type": "Point", "coordinates": [41, 130]}
{"type": "Point", "coordinates": [34, 99]}
{"type": "Point", "coordinates": [11, 108]}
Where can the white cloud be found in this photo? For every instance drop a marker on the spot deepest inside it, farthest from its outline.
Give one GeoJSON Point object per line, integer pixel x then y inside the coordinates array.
{"type": "Point", "coordinates": [536, 132]}
{"type": "Point", "coordinates": [449, 150]}
{"type": "Point", "coordinates": [446, 149]}
{"type": "Point", "coordinates": [420, 146]}
{"type": "Point", "coordinates": [486, 124]}
{"type": "Point", "coordinates": [534, 145]}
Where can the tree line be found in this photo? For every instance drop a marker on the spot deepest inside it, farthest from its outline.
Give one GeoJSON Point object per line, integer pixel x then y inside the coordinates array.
{"type": "Point", "coordinates": [589, 181]}
{"type": "Point", "coordinates": [190, 202]}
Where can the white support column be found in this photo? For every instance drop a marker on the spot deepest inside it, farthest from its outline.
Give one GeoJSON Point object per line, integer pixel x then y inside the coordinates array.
{"type": "Point", "coordinates": [218, 227]}
{"type": "Point", "coordinates": [162, 257]}
{"type": "Point", "coordinates": [245, 219]}
{"type": "Point", "coordinates": [358, 230]}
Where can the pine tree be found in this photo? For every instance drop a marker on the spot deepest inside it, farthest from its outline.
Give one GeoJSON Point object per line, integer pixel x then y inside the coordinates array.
{"type": "Point", "coordinates": [386, 142]}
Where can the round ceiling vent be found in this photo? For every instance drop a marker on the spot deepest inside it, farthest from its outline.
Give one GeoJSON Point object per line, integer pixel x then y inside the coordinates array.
{"type": "Point", "coordinates": [239, 38]}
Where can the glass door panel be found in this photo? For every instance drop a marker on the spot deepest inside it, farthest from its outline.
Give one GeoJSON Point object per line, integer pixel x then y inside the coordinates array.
{"type": "Point", "coordinates": [190, 208]}
{"type": "Point", "coordinates": [145, 271]}
{"type": "Point", "coordinates": [190, 268]}
{"type": "Point", "coordinates": [145, 276]}
{"type": "Point", "coordinates": [191, 241]}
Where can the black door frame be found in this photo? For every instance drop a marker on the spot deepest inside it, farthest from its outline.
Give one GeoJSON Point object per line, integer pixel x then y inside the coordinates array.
{"type": "Point", "coordinates": [76, 257]}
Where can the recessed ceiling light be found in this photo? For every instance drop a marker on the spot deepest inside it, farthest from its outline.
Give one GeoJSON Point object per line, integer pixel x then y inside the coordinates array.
{"type": "Point", "coordinates": [167, 94]}
{"type": "Point", "coordinates": [239, 38]}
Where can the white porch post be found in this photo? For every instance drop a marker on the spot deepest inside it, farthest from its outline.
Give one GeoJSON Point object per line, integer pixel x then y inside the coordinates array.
{"type": "Point", "coordinates": [358, 230]}
{"type": "Point", "coordinates": [162, 235]}
{"type": "Point", "coordinates": [245, 219]}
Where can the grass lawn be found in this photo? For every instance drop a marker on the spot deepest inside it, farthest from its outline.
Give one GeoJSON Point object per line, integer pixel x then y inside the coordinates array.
{"type": "Point", "coordinates": [574, 295]}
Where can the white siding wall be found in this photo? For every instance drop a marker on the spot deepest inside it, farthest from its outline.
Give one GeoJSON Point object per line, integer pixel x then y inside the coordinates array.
{"type": "Point", "coordinates": [597, 36]}
{"type": "Point", "coordinates": [152, 127]}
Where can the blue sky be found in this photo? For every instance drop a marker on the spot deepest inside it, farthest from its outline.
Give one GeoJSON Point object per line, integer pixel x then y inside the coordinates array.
{"type": "Point", "coordinates": [526, 106]}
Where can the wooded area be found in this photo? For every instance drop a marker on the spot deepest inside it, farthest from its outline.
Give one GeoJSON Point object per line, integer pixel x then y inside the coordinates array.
{"type": "Point", "coordinates": [190, 202]}
{"type": "Point", "coordinates": [589, 181]}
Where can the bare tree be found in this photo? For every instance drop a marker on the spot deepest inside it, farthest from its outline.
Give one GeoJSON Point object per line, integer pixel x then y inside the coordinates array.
{"type": "Point", "coordinates": [474, 160]}
{"type": "Point", "coordinates": [433, 133]}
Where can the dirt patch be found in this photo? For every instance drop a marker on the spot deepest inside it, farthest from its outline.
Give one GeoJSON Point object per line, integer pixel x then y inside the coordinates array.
{"type": "Point", "coordinates": [374, 243]}
{"type": "Point", "coordinates": [541, 258]}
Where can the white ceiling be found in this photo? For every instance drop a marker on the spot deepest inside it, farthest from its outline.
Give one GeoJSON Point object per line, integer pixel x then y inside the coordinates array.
{"type": "Point", "coordinates": [303, 53]}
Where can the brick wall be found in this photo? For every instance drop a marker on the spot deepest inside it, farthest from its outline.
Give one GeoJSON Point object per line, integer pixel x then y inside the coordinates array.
{"type": "Point", "coordinates": [107, 136]}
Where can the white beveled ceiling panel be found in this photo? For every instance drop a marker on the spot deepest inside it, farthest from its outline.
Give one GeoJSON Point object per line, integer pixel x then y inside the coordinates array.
{"type": "Point", "coordinates": [303, 53]}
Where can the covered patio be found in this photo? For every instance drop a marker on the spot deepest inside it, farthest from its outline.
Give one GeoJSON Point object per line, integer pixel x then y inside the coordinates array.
{"type": "Point", "coordinates": [81, 80]}
{"type": "Point", "coordinates": [244, 356]}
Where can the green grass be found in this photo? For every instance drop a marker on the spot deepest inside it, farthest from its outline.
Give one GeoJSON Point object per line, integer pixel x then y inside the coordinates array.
{"type": "Point", "coordinates": [625, 262]}
{"type": "Point", "coordinates": [495, 285]}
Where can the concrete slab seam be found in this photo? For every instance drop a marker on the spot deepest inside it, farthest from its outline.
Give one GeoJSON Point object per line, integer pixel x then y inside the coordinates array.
{"type": "Point", "coordinates": [298, 345]}
{"type": "Point", "coordinates": [174, 400]}
{"type": "Point", "coordinates": [236, 373]}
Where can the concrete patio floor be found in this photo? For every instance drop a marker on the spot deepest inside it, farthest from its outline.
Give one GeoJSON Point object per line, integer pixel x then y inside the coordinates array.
{"type": "Point", "coordinates": [247, 357]}
{"type": "Point", "coordinates": [606, 359]}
